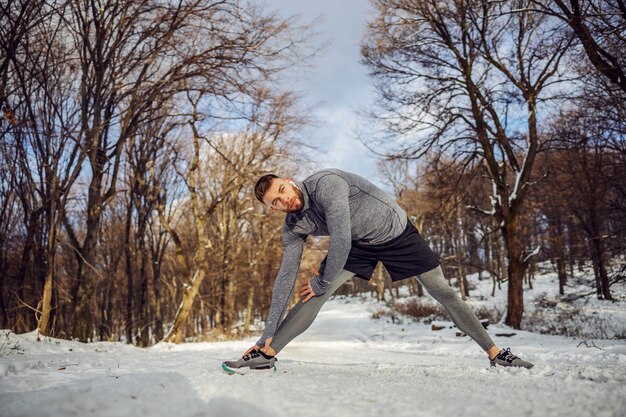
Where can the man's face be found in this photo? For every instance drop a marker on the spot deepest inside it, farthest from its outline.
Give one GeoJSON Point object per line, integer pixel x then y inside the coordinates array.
{"type": "Point", "coordinates": [284, 196]}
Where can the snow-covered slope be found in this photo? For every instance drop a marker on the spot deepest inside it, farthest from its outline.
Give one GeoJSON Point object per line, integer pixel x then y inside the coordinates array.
{"type": "Point", "coordinates": [347, 364]}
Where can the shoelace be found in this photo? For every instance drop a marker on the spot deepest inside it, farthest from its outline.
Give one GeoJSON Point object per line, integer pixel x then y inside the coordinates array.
{"type": "Point", "coordinates": [251, 355]}
{"type": "Point", "coordinates": [507, 355]}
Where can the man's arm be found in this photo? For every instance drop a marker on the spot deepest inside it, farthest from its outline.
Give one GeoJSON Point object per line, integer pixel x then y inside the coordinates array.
{"type": "Point", "coordinates": [285, 281]}
{"type": "Point", "coordinates": [333, 195]}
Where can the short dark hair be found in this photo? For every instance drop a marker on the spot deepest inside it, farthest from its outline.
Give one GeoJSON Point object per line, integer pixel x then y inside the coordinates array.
{"type": "Point", "coordinates": [262, 185]}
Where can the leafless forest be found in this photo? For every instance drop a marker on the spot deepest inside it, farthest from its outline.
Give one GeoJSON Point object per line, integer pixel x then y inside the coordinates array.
{"type": "Point", "coordinates": [132, 133]}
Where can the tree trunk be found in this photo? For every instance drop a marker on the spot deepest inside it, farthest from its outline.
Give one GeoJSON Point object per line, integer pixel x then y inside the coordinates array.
{"type": "Point", "coordinates": [512, 237]}
{"type": "Point", "coordinates": [249, 311]}
{"type": "Point", "coordinates": [107, 313]}
{"type": "Point", "coordinates": [230, 307]}
{"type": "Point", "coordinates": [128, 326]}
{"type": "Point", "coordinates": [26, 268]}
{"type": "Point", "coordinates": [83, 322]}
{"type": "Point", "coordinates": [598, 251]}
{"type": "Point", "coordinates": [46, 303]}
{"type": "Point", "coordinates": [465, 282]}
{"type": "Point", "coordinates": [599, 268]}
{"type": "Point", "coordinates": [177, 332]}
{"type": "Point", "coordinates": [460, 270]}
{"type": "Point", "coordinates": [3, 306]}
{"type": "Point", "coordinates": [144, 304]}
{"type": "Point", "coordinates": [158, 306]}
{"type": "Point", "coordinates": [559, 243]}
{"type": "Point", "coordinates": [560, 267]}
{"type": "Point", "coordinates": [531, 274]}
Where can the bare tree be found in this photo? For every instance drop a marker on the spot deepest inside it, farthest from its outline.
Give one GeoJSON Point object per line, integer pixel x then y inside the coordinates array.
{"type": "Point", "coordinates": [80, 83]}
{"type": "Point", "coordinates": [583, 170]}
{"type": "Point", "coordinates": [136, 56]}
{"type": "Point", "coordinates": [9, 215]}
{"type": "Point", "coordinates": [459, 77]}
{"type": "Point", "coordinates": [145, 170]}
{"type": "Point", "coordinates": [600, 27]}
{"type": "Point", "coordinates": [18, 18]}
{"type": "Point", "coordinates": [43, 133]}
{"type": "Point", "coordinates": [234, 161]}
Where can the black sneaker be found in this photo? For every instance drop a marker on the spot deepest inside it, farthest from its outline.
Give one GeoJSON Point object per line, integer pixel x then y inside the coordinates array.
{"type": "Point", "coordinates": [255, 360]}
{"type": "Point", "coordinates": [507, 358]}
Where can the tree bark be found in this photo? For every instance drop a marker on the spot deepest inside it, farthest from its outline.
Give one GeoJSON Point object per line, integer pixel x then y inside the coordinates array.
{"type": "Point", "coordinates": [601, 58]}
{"type": "Point", "coordinates": [177, 332]}
{"type": "Point", "coordinates": [560, 267]}
{"type": "Point", "coordinates": [249, 311]}
{"type": "Point", "coordinates": [516, 268]}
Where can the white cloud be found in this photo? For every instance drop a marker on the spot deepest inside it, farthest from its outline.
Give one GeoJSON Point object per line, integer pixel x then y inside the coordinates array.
{"type": "Point", "coordinates": [339, 83]}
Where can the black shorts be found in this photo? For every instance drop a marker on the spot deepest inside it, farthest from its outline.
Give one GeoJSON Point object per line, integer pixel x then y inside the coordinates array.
{"type": "Point", "coordinates": [404, 256]}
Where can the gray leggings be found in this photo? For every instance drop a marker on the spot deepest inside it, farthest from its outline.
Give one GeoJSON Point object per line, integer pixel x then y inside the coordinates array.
{"type": "Point", "coordinates": [302, 315]}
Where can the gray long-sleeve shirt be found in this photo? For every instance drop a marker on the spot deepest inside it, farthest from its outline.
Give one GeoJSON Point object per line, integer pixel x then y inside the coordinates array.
{"type": "Point", "coordinates": [345, 207]}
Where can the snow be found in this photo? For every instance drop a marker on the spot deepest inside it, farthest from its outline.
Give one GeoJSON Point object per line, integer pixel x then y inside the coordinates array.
{"type": "Point", "coordinates": [534, 252]}
{"type": "Point", "coordinates": [346, 364]}
{"type": "Point", "coordinates": [518, 177]}
{"type": "Point", "coordinates": [495, 196]}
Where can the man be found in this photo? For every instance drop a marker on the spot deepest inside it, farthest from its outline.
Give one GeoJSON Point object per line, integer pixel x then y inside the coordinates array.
{"type": "Point", "coordinates": [365, 226]}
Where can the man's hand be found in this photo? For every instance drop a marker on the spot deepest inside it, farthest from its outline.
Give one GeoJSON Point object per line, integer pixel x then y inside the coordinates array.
{"type": "Point", "coordinates": [250, 349]}
{"type": "Point", "coordinates": [265, 349]}
{"type": "Point", "coordinates": [306, 292]}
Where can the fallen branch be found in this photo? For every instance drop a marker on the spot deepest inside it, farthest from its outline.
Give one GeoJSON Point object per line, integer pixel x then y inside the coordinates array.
{"type": "Point", "coordinates": [593, 345]}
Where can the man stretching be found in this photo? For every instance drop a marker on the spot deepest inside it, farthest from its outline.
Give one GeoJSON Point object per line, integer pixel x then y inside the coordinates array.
{"type": "Point", "coordinates": [365, 226]}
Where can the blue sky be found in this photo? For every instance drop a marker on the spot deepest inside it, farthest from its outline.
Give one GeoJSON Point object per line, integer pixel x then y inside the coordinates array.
{"type": "Point", "coordinates": [338, 84]}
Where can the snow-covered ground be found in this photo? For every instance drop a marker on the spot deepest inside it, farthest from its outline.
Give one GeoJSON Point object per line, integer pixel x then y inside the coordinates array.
{"type": "Point", "coordinates": [347, 364]}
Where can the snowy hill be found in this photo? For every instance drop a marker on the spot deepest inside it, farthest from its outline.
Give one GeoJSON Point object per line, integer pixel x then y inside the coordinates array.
{"type": "Point", "coordinates": [347, 364]}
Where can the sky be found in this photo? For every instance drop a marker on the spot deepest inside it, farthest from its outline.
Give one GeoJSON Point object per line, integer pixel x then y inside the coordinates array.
{"type": "Point", "coordinates": [338, 84]}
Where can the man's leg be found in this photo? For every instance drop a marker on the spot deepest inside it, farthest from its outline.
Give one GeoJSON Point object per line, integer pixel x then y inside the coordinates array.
{"type": "Point", "coordinates": [302, 315]}
{"type": "Point", "coordinates": [460, 313]}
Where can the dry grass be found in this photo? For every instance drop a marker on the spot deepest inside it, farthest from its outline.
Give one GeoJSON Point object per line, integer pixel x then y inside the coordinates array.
{"type": "Point", "coordinates": [427, 312]}
{"type": "Point", "coordinates": [418, 310]}
{"type": "Point", "coordinates": [551, 316]}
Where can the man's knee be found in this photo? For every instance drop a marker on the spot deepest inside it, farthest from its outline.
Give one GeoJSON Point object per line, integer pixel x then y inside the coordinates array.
{"type": "Point", "coordinates": [436, 285]}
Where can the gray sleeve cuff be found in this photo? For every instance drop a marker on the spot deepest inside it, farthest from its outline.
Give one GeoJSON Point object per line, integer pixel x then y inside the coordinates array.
{"type": "Point", "coordinates": [261, 341]}
{"type": "Point", "coordinates": [319, 286]}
